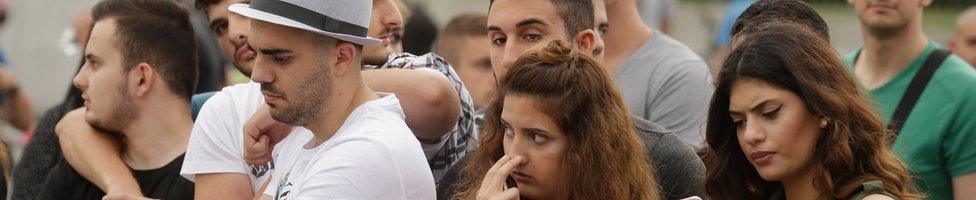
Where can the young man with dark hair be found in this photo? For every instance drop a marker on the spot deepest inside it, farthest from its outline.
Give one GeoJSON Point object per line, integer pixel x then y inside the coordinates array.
{"type": "Point", "coordinates": [464, 42]}
{"type": "Point", "coordinates": [140, 71]}
{"type": "Point", "coordinates": [767, 11]}
{"type": "Point", "coordinates": [926, 93]}
{"type": "Point", "coordinates": [963, 43]}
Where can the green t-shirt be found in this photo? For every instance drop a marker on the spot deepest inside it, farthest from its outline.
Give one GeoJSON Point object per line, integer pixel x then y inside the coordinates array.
{"type": "Point", "coordinates": [936, 141]}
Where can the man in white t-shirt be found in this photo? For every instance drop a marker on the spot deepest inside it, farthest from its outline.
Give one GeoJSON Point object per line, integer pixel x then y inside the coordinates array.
{"type": "Point", "coordinates": [309, 56]}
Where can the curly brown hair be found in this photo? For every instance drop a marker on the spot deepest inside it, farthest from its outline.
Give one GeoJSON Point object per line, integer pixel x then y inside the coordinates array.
{"type": "Point", "coordinates": [606, 158]}
{"type": "Point", "coordinates": [852, 149]}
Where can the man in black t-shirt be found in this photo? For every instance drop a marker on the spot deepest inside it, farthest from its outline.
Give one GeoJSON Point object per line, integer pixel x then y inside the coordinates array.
{"type": "Point", "coordinates": [165, 183]}
{"type": "Point", "coordinates": [139, 73]}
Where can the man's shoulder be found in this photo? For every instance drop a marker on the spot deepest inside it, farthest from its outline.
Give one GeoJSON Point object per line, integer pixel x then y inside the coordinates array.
{"type": "Point", "coordinates": [667, 56]}
{"type": "Point", "coordinates": [242, 98]}
{"type": "Point", "coordinates": [956, 79]}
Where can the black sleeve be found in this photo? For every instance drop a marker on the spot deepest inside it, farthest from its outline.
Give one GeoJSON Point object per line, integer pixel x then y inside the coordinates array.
{"type": "Point", "coordinates": [680, 172]}
{"type": "Point", "coordinates": [40, 155]}
{"type": "Point", "coordinates": [58, 181]}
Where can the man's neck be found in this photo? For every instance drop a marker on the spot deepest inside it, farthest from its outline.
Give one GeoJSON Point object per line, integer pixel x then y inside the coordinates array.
{"type": "Point", "coordinates": [158, 136]}
{"type": "Point", "coordinates": [336, 112]}
{"type": "Point", "coordinates": [626, 35]}
{"type": "Point", "coordinates": [885, 55]}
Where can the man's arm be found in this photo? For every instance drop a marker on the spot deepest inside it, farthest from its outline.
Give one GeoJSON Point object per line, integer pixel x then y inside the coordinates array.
{"type": "Point", "coordinates": [223, 186]}
{"type": "Point", "coordinates": [95, 155]}
{"type": "Point", "coordinates": [16, 108]}
{"type": "Point", "coordinates": [429, 101]}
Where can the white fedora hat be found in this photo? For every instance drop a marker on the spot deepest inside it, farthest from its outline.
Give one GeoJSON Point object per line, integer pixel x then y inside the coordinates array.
{"type": "Point", "coordinates": [345, 20]}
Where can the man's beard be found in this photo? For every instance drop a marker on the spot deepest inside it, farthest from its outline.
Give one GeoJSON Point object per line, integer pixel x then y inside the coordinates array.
{"type": "Point", "coordinates": [377, 60]}
{"type": "Point", "coordinates": [885, 29]}
{"type": "Point", "coordinates": [305, 103]}
{"type": "Point", "coordinates": [120, 117]}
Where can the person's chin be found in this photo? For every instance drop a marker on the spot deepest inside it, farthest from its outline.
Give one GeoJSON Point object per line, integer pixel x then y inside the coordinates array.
{"type": "Point", "coordinates": [245, 67]}
{"type": "Point", "coordinates": [529, 191]}
{"type": "Point", "coordinates": [770, 174]}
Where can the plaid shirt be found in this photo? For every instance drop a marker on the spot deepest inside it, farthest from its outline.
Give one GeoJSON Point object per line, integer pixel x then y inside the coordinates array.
{"type": "Point", "coordinates": [454, 146]}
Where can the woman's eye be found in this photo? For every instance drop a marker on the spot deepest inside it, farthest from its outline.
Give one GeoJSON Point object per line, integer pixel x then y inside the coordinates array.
{"type": "Point", "coordinates": [539, 138]}
{"type": "Point", "coordinates": [772, 114]}
{"type": "Point", "coordinates": [508, 130]}
{"type": "Point", "coordinates": [738, 124]}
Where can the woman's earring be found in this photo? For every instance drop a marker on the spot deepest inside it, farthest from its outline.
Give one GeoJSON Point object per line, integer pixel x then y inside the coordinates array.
{"type": "Point", "coordinates": [823, 123]}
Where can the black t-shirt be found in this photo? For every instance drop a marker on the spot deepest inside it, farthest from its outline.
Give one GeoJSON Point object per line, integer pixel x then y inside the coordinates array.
{"type": "Point", "coordinates": [64, 182]}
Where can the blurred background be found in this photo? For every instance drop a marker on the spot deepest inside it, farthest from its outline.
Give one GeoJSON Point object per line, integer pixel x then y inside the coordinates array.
{"type": "Point", "coordinates": [38, 38]}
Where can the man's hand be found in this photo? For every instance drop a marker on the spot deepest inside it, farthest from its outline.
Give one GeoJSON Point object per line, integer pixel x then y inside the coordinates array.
{"type": "Point", "coordinates": [261, 133]}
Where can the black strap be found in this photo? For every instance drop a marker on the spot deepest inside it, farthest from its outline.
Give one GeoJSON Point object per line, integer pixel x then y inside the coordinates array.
{"type": "Point", "coordinates": [915, 89]}
{"type": "Point", "coordinates": [308, 17]}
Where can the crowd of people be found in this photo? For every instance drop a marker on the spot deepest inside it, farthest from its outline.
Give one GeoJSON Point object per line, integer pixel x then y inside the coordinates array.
{"type": "Point", "coordinates": [535, 99]}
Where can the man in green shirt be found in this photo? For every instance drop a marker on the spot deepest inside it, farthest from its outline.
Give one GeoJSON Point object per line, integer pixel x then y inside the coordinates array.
{"type": "Point", "coordinates": [935, 139]}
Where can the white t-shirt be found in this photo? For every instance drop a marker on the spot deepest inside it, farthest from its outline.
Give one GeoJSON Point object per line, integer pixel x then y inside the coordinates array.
{"type": "Point", "coordinates": [217, 139]}
{"type": "Point", "coordinates": [373, 155]}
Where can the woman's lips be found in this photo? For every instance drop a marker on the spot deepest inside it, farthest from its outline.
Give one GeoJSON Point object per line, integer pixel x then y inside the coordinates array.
{"type": "Point", "coordinates": [521, 177]}
{"type": "Point", "coordinates": [762, 157]}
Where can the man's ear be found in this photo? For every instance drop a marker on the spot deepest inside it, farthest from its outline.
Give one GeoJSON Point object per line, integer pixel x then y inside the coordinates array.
{"type": "Point", "coordinates": [141, 79]}
{"type": "Point", "coordinates": [345, 60]}
{"type": "Point", "coordinates": [586, 40]}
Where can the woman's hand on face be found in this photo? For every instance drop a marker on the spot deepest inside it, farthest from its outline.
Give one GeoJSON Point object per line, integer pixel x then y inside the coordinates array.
{"type": "Point", "coordinates": [493, 186]}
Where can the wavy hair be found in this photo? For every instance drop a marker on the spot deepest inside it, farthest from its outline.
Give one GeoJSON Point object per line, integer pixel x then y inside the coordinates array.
{"type": "Point", "coordinates": [606, 158]}
{"type": "Point", "coordinates": [852, 149]}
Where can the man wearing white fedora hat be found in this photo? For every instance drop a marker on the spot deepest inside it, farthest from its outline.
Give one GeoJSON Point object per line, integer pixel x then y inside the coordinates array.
{"type": "Point", "coordinates": [214, 159]}
{"type": "Point", "coordinates": [309, 56]}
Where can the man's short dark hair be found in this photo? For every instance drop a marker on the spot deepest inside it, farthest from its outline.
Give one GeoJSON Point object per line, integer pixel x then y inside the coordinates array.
{"type": "Point", "coordinates": [156, 32]}
{"type": "Point", "coordinates": [462, 26]}
{"type": "Point", "coordinates": [791, 11]}
{"type": "Point", "coordinates": [577, 15]}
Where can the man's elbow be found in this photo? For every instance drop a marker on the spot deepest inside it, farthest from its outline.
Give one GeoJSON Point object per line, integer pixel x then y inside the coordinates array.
{"type": "Point", "coordinates": [443, 100]}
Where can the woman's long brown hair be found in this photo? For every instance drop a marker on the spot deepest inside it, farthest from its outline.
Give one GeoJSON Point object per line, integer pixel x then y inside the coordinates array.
{"type": "Point", "coordinates": [852, 149]}
{"type": "Point", "coordinates": [606, 158]}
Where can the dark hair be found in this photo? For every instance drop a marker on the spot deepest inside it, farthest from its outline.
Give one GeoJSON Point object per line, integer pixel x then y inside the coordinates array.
{"type": "Point", "coordinates": [605, 158]}
{"type": "Point", "coordinates": [577, 15]}
{"type": "Point", "coordinates": [461, 26]}
{"type": "Point", "coordinates": [203, 4]}
{"type": "Point", "coordinates": [852, 148]}
{"type": "Point", "coordinates": [156, 32]}
{"type": "Point", "coordinates": [764, 12]}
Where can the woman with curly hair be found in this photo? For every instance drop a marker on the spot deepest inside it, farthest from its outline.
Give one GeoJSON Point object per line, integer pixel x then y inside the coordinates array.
{"type": "Point", "coordinates": [559, 129]}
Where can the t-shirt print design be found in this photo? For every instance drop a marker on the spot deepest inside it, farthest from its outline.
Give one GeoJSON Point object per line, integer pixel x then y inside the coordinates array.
{"type": "Point", "coordinates": [284, 188]}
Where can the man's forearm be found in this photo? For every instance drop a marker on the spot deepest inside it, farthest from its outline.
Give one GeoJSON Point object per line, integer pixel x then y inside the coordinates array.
{"type": "Point", "coordinates": [223, 186]}
{"type": "Point", "coordinates": [95, 155]}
